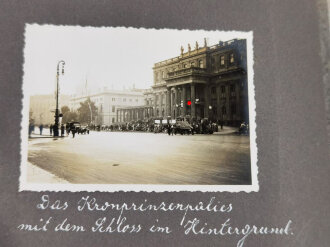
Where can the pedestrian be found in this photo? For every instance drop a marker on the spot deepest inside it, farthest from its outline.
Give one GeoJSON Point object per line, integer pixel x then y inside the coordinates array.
{"type": "Point", "coordinates": [62, 129]}
{"type": "Point", "coordinates": [40, 128]}
{"type": "Point", "coordinates": [172, 129]}
{"type": "Point", "coordinates": [169, 129]}
{"type": "Point", "coordinates": [67, 128]}
{"type": "Point", "coordinates": [30, 129]}
{"type": "Point", "coordinates": [51, 129]}
{"type": "Point", "coordinates": [73, 130]}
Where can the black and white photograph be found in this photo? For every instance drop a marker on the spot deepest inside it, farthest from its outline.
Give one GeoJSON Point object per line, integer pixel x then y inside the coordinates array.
{"type": "Point", "coordinates": [164, 123]}
{"type": "Point", "coordinates": [134, 109]}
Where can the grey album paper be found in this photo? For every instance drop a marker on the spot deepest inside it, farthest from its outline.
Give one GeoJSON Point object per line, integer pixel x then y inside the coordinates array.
{"type": "Point", "coordinates": [164, 123]}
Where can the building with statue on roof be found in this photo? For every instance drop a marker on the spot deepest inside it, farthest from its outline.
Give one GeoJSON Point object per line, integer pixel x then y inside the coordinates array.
{"type": "Point", "coordinates": [204, 82]}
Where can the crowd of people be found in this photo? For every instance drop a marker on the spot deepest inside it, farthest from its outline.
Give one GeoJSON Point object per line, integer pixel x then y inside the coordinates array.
{"type": "Point", "coordinates": [202, 126]}
{"type": "Point", "coordinates": [181, 126]}
{"type": "Point", "coordinates": [41, 127]}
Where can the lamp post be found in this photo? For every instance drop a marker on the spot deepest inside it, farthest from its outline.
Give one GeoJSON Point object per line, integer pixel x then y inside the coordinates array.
{"type": "Point", "coordinates": [90, 109]}
{"type": "Point", "coordinates": [57, 115]}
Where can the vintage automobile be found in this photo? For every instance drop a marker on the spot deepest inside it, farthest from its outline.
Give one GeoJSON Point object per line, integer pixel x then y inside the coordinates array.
{"type": "Point", "coordinates": [74, 126]}
{"type": "Point", "coordinates": [80, 129]}
{"type": "Point", "coordinates": [83, 129]}
{"type": "Point", "coordinates": [183, 127]}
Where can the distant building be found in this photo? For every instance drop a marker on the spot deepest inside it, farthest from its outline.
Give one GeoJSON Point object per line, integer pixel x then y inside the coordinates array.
{"type": "Point", "coordinates": [108, 101]}
{"type": "Point", "coordinates": [42, 107]}
{"type": "Point", "coordinates": [204, 82]}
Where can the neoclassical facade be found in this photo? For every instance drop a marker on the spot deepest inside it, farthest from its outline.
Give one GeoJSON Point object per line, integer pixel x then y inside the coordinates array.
{"type": "Point", "coordinates": [204, 82]}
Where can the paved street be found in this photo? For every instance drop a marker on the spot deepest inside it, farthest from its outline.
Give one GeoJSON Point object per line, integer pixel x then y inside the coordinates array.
{"type": "Point", "coordinates": [144, 158]}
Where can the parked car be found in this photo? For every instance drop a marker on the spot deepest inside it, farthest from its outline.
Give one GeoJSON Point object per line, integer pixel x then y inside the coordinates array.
{"type": "Point", "coordinates": [183, 127]}
{"type": "Point", "coordinates": [83, 129]}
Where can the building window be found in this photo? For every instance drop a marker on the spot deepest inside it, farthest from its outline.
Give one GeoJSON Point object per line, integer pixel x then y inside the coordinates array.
{"type": "Point", "coordinates": [224, 110]}
{"type": "Point", "coordinates": [233, 108]}
{"type": "Point", "coordinates": [113, 120]}
{"type": "Point", "coordinates": [232, 90]}
{"type": "Point", "coordinates": [113, 99]}
{"type": "Point", "coordinates": [223, 91]}
{"type": "Point", "coordinates": [113, 108]}
{"type": "Point", "coordinates": [213, 90]}
{"type": "Point", "coordinates": [192, 64]}
{"type": "Point", "coordinates": [222, 60]}
{"type": "Point", "coordinates": [184, 65]}
{"type": "Point", "coordinates": [163, 74]}
{"type": "Point", "coordinates": [232, 60]}
{"type": "Point", "coordinates": [201, 64]}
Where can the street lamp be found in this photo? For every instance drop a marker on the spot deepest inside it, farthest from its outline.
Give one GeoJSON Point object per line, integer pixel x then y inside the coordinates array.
{"type": "Point", "coordinates": [57, 115]}
{"type": "Point", "coordinates": [90, 109]}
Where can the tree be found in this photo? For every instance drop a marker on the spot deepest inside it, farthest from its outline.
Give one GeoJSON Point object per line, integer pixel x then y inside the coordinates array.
{"type": "Point", "coordinates": [31, 120]}
{"type": "Point", "coordinates": [65, 109]}
{"type": "Point", "coordinates": [87, 111]}
{"type": "Point", "coordinates": [68, 116]}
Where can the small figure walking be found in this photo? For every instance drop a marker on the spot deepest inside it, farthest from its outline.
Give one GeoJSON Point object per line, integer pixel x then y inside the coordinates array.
{"type": "Point", "coordinates": [73, 130]}
{"type": "Point", "coordinates": [51, 129]}
{"type": "Point", "coordinates": [40, 128]}
{"type": "Point", "coordinates": [62, 130]}
{"type": "Point", "coordinates": [169, 130]}
{"type": "Point", "coordinates": [30, 129]}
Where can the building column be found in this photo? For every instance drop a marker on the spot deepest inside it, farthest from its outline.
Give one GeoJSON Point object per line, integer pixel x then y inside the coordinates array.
{"type": "Point", "coordinates": [155, 105]}
{"type": "Point", "coordinates": [193, 99]}
{"type": "Point", "coordinates": [160, 103]}
{"type": "Point", "coordinates": [175, 90]}
{"type": "Point", "coordinates": [238, 103]}
{"type": "Point", "coordinates": [206, 101]}
{"type": "Point", "coordinates": [117, 114]}
{"type": "Point", "coordinates": [228, 103]}
{"type": "Point", "coordinates": [168, 102]}
{"type": "Point", "coordinates": [218, 93]}
{"type": "Point", "coordinates": [184, 100]}
{"type": "Point", "coordinates": [171, 104]}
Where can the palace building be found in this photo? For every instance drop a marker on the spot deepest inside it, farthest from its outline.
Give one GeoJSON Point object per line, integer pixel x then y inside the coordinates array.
{"type": "Point", "coordinates": [203, 82]}
{"type": "Point", "coordinates": [108, 101]}
{"type": "Point", "coordinates": [207, 82]}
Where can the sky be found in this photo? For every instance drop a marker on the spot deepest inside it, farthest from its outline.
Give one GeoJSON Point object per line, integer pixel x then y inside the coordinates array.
{"type": "Point", "coordinates": [113, 57]}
